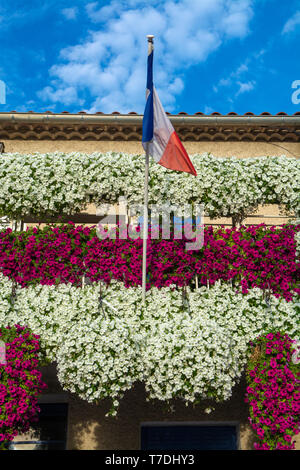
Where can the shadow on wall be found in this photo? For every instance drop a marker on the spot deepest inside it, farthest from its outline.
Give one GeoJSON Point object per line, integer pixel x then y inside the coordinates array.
{"type": "Point", "coordinates": [89, 429]}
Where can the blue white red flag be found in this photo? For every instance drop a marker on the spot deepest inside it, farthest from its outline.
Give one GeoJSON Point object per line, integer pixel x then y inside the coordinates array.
{"type": "Point", "coordinates": [159, 134]}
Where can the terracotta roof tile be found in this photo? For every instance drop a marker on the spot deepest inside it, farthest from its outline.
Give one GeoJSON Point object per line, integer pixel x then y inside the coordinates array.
{"type": "Point", "coordinates": [181, 113]}
{"type": "Point", "coordinates": [42, 128]}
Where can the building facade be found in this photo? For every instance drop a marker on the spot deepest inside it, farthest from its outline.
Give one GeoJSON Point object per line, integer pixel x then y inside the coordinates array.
{"type": "Point", "coordinates": [72, 423]}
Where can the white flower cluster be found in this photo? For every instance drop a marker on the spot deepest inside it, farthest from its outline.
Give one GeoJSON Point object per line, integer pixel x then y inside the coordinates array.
{"type": "Point", "coordinates": [201, 351]}
{"type": "Point", "coordinates": [57, 183]}
{"type": "Point", "coordinates": [192, 347]}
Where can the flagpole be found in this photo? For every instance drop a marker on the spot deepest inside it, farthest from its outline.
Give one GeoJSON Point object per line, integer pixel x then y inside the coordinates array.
{"type": "Point", "coordinates": [145, 227]}
{"type": "Point", "coordinates": [145, 234]}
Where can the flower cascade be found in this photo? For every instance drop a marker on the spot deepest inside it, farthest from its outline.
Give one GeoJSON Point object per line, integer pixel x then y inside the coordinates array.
{"type": "Point", "coordinates": [58, 183]}
{"type": "Point", "coordinates": [273, 392]}
{"type": "Point", "coordinates": [254, 256]}
{"type": "Point", "coordinates": [20, 382]}
{"type": "Point", "coordinates": [190, 345]}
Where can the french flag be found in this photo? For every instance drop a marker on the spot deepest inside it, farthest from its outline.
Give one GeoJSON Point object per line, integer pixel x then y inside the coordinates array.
{"type": "Point", "coordinates": [158, 133]}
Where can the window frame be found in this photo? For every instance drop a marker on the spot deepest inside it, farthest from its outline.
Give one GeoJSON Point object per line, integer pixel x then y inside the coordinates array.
{"type": "Point", "coordinates": [236, 424]}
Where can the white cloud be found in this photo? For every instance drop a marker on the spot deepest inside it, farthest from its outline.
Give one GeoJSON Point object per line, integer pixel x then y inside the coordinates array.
{"type": "Point", "coordinates": [245, 87]}
{"type": "Point", "coordinates": [110, 65]}
{"type": "Point", "coordinates": [231, 79]}
{"type": "Point", "coordinates": [97, 15]}
{"type": "Point", "coordinates": [292, 23]}
{"type": "Point", "coordinates": [241, 69]}
{"type": "Point", "coordinates": [66, 95]}
{"type": "Point", "coordinates": [259, 54]}
{"type": "Point", "coordinates": [70, 13]}
{"type": "Point", "coordinates": [234, 20]}
{"type": "Point", "coordinates": [240, 79]}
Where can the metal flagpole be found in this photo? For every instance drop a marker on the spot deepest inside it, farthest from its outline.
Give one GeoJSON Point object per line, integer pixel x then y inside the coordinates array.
{"type": "Point", "coordinates": [145, 234]}
{"type": "Point", "coordinates": [145, 231]}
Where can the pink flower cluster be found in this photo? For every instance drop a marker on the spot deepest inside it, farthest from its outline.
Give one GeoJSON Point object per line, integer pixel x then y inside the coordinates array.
{"type": "Point", "coordinates": [273, 393]}
{"type": "Point", "coordinates": [20, 382]}
{"type": "Point", "coordinates": [254, 256]}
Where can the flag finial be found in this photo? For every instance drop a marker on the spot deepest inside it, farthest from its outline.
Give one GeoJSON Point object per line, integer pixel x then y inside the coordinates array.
{"type": "Point", "coordinates": [150, 37]}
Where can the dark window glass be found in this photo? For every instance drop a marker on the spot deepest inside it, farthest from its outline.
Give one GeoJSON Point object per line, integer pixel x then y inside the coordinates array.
{"type": "Point", "coordinates": [186, 437]}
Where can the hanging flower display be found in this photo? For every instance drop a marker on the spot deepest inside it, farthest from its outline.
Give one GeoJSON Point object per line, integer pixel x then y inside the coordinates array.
{"type": "Point", "coordinates": [273, 392]}
{"type": "Point", "coordinates": [64, 183]}
{"type": "Point", "coordinates": [20, 381]}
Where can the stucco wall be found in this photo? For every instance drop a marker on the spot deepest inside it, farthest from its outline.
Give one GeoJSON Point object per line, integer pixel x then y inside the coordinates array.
{"type": "Point", "coordinates": [219, 149]}
{"type": "Point", "coordinates": [90, 429]}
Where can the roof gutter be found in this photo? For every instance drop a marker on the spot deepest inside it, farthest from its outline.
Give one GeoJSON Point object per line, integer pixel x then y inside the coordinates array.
{"type": "Point", "coordinates": [136, 120]}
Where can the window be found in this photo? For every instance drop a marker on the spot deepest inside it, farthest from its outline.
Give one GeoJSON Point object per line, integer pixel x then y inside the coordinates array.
{"type": "Point", "coordinates": [50, 433]}
{"type": "Point", "coordinates": [188, 436]}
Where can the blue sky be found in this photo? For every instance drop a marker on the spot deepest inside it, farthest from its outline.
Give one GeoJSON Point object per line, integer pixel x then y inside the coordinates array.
{"type": "Point", "coordinates": [210, 55]}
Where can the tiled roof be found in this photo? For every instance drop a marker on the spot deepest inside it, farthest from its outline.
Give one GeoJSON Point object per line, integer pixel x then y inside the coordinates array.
{"type": "Point", "coordinates": [249, 127]}
{"type": "Point", "coordinates": [181, 113]}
